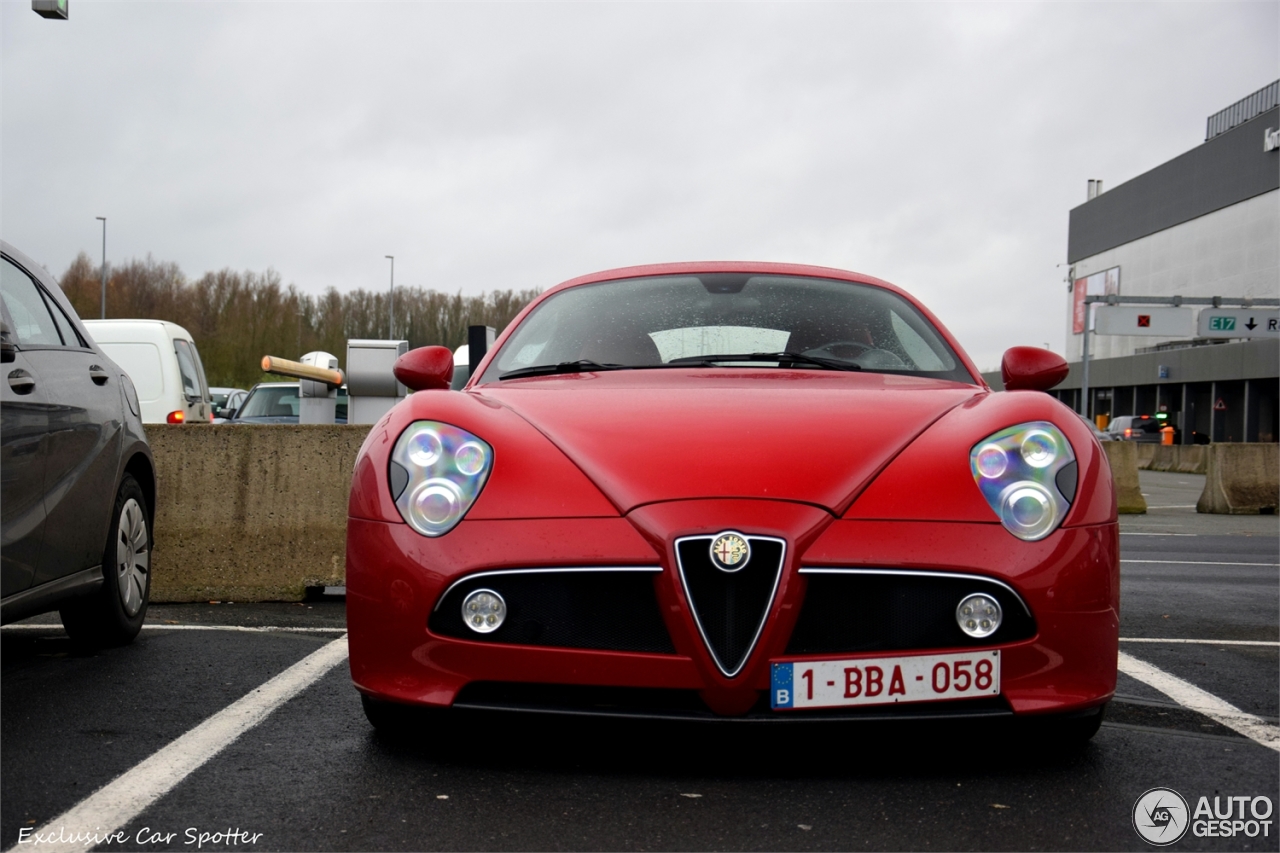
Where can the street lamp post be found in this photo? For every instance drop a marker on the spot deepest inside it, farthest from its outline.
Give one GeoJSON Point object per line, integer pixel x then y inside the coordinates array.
{"type": "Point", "coordinates": [391, 300]}
{"type": "Point", "coordinates": [104, 265]}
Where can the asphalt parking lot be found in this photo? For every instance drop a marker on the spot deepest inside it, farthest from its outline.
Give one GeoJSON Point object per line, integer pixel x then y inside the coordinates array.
{"type": "Point", "coordinates": [234, 726]}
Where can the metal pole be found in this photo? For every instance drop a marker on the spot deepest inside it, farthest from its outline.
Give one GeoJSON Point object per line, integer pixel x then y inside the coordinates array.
{"type": "Point", "coordinates": [1084, 364]}
{"type": "Point", "coordinates": [104, 265]}
{"type": "Point", "coordinates": [391, 301]}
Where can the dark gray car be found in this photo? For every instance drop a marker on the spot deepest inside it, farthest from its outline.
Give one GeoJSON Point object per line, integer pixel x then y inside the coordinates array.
{"type": "Point", "coordinates": [78, 480]}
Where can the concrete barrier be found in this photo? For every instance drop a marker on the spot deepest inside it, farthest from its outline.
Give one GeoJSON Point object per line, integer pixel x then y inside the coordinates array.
{"type": "Point", "coordinates": [1242, 479]}
{"type": "Point", "coordinates": [250, 513]}
{"type": "Point", "coordinates": [1186, 459]}
{"type": "Point", "coordinates": [1123, 456]}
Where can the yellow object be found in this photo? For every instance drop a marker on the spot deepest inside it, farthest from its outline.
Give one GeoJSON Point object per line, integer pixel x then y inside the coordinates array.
{"type": "Point", "coordinates": [1102, 421]}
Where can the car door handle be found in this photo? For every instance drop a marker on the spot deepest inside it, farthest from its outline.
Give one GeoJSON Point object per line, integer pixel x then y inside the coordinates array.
{"type": "Point", "coordinates": [21, 382]}
{"type": "Point", "coordinates": [97, 374]}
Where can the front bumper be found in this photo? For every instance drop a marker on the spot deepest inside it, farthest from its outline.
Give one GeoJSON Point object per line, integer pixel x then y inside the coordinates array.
{"type": "Point", "coordinates": [395, 578]}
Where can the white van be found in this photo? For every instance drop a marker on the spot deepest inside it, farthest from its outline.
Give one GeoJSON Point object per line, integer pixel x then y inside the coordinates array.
{"type": "Point", "coordinates": [161, 359]}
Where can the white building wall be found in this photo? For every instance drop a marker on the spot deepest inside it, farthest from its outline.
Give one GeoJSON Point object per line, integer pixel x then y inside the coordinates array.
{"type": "Point", "coordinates": [1232, 252]}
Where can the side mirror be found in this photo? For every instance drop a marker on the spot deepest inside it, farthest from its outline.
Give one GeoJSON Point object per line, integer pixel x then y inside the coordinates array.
{"type": "Point", "coordinates": [1032, 369]}
{"type": "Point", "coordinates": [425, 368]}
{"type": "Point", "coordinates": [7, 349]}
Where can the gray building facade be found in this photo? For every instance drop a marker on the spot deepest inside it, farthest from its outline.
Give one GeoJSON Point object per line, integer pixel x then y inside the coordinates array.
{"type": "Point", "coordinates": [1205, 224]}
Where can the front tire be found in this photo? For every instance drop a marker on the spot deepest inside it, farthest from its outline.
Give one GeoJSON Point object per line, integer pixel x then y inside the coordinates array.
{"type": "Point", "coordinates": [113, 615]}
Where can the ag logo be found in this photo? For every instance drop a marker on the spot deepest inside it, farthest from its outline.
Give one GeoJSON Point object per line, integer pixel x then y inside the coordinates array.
{"type": "Point", "coordinates": [1160, 816]}
{"type": "Point", "coordinates": [730, 551]}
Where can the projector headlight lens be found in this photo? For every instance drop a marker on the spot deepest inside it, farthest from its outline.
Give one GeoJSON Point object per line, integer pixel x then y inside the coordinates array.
{"type": "Point", "coordinates": [447, 468]}
{"type": "Point", "coordinates": [979, 615]}
{"type": "Point", "coordinates": [1016, 471]}
{"type": "Point", "coordinates": [484, 611]}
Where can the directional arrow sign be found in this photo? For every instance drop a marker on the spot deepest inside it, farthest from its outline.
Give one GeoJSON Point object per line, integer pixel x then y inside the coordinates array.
{"type": "Point", "coordinates": [1239, 323]}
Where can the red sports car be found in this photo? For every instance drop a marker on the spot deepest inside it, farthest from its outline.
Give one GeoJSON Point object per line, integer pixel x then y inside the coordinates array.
{"type": "Point", "coordinates": [733, 490]}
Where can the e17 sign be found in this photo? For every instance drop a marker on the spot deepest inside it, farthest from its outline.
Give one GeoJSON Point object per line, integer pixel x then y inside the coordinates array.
{"type": "Point", "coordinates": [1239, 323]}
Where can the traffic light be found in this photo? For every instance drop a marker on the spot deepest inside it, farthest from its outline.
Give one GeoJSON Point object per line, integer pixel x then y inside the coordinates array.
{"type": "Point", "coordinates": [50, 8]}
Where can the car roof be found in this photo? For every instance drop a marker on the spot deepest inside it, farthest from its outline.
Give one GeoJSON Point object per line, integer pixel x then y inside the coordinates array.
{"type": "Point", "coordinates": [125, 330]}
{"type": "Point", "coordinates": [759, 267]}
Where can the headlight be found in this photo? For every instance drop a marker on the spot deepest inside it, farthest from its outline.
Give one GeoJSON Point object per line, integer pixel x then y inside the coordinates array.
{"type": "Point", "coordinates": [1017, 472]}
{"type": "Point", "coordinates": [437, 470]}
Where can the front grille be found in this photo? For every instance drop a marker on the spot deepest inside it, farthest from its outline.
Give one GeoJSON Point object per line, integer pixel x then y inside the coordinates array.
{"type": "Point", "coordinates": [579, 609]}
{"type": "Point", "coordinates": [730, 606]}
{"type": "Point", "coordinates": [869, 610]}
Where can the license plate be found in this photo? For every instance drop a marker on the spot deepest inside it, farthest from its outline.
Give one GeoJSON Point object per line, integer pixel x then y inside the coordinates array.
{"type": "Point", "coordinates": [884, 681]}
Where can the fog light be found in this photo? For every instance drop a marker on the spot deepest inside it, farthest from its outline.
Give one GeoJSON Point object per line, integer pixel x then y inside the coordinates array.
{"type": "Point", "coordinates": [978, 615]}
{"type": "Point", "coordinates": [484, 611]}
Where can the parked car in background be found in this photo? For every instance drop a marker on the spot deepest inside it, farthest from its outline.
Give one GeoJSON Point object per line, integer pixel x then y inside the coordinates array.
{"type": "Point", "coordinates": [279, 403]}
{"type": "Point", "coordinates": [1097, 433]}
{"type": "Point", "coordinates": [1141, 428]}
{"type": "Point", "coordinates": [225, 402]}
{"type": "Point", "coordinates": [162, 360]}
{"type": "Point", "coordinates": [78, 491]}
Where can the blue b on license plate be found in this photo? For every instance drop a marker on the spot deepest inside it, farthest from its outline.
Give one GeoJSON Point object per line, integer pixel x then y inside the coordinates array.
{"type": "Point", "coordinates": [884, 681]}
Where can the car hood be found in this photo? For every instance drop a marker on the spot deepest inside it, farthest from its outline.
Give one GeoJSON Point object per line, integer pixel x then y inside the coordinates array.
{"type": "Point", "coordinates": [644, 436]}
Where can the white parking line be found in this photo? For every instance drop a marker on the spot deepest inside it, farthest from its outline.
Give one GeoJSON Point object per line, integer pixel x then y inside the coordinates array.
{"type": "Point", "coordinates": [1156, 639]}
{"type": "Point", "coordinates": [1199, 563]}
{"type": "Point", "coordinates": [112, 806]}
{"type": "Point", "coordinates": [1201, 642]}
{"type": "Point", "coordinates": [1189, 696]}
{"type": "Point", "coordinates": [252, 629]}
{"type": "Point", "coordinates": [1137, 533]}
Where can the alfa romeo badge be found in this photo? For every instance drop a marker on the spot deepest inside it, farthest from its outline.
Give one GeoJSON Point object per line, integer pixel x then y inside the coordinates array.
{"type": "Point", "coordinates": [730, 552]}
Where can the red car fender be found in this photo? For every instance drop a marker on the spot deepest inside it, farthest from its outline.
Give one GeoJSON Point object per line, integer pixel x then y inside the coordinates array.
{"type": "Point", "coordinates": [931, 480]}
{"type": "Point", "coordinates": [531, 478]}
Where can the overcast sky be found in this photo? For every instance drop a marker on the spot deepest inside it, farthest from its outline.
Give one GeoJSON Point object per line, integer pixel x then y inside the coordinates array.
{"type": "Point", "coordinates": [513, 145]}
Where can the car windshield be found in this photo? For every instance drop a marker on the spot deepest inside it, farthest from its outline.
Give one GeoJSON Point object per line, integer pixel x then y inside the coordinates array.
{"type": "Point", "coordinates": [280, 401]}
{"type": "Point", "coordinates": [720, 319]}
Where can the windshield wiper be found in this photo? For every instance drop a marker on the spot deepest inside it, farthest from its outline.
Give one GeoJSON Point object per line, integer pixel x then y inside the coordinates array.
{"type": "Point", "coordinates": [584, 365]}
{"type": "Point", "coordinates": [780, 357]}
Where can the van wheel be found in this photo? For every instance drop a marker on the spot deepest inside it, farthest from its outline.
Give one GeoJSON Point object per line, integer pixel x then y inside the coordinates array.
{"type": "Point", "coordinates": [113, 615]}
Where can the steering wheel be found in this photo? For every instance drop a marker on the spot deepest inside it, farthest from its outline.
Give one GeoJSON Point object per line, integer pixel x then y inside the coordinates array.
{"type": "Point", "coordinates": [843, 350]}
{"type": "Point", "coordinates": [870, 357]}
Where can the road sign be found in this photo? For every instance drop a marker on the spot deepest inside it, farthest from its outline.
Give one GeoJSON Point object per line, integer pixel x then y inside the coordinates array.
{"type": "Point", "coordinates": [1148, 321]}
{"type": "Point", "coordinates": [1239, 323]}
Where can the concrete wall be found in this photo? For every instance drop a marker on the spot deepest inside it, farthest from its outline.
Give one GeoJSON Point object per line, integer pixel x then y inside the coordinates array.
{"type": "Point", "coordinates": [259, 513]}
{"type": "Point", "coordinates": [1242, 479]}
{"type": "Point", "coordinates": [250, 513]}
{"type": "Point", "coordinates": [1123, 456]}
{"type": "Point", "coordinates": [1189, 459]}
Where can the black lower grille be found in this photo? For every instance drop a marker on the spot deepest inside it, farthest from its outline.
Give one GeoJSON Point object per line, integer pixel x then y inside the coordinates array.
{"type": "Point", "coordinates": [607, 610]}
{"type": "Point", "coordinates": [870, 611]}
